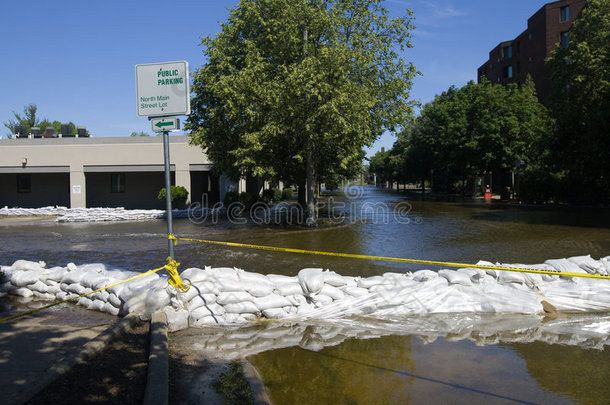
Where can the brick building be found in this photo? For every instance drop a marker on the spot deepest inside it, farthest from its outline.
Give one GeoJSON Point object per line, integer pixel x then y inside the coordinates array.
{"type": "Point", "coordinates": [511, 61]}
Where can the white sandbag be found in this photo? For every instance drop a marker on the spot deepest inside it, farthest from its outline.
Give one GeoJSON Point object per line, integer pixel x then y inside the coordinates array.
{"type": "Point", "coordinates": [233, 297]}
{"type": "Point", "coordinates": [275, 313]}
{"type": "Point", "coordinates": [53, 289]}
{"type": "Point", "coordinates": [78, 289]}
{"type": "Point", "coordinates": [332, 292]}
{"type": "Point", "coordinates": [424, 275]}
{"type": "Point", "coordinates": [234, 318]}
{"type": "Point", "coordinates": [506, 277]}
{"type": "Point", "coordinates": [227, 272]}
{"type": "Point", "coordinates": [200, 287]}
{"type": "Point", "coordinates": [368, 282]}
{"type": "Point", "coordinates": [564, 265]}
{"type": "Point", "coordinates": [56, 273]}
{"type": "Point", "coordinates": [321, 300]}
{"type": "Point", "coordinates": [114, 300]}
{"type": "Point", "coordinates": [588, 264]}
{"type": "Point", "coordinates": [100, 295]}
{"type": "Point", "coordinates": [90, 279]}
{"type": "Point", "coordinates": [229, 284]}
{"type": "Point", "coordinates": [176, 319]}
{"type": "Point", "coordinates": [201, 300]}
{"type": "Point", "coordinates": [84, 301]}
{"type": "Point", "coordinates": [249, 276]}
{"type": "Point", "coordinates": [245, 307]}
{"type": "Point", "coordinates": [111, 309]}
{"type": "Point", "coordinates": [206, 310]}
{"type": "Point", "coordinates": [22, 278]}
{"type": "Point", "coordinates": [455, 277]}
{"type": "Point", "coordinates": [279, 280]}
{"type": "Point", "coordinates": [93, 268]}
{"type": "Point", "coordinates": [290, 288]}
{"type": "Point", "coordinates": [271, 301]}
{"type": "Point", "coordinates": [44, 296]}
{"type": "Point", "coordinates": [39, 286]}
{"type": "Point", "coordinates": [156, 299]}
{"type": "Point", "coordinates": [297, 299]}
{"type": "Point", "coordinates": [27, 265]}
{"type": "Point", "coordinates": [73, 277]}
{"type": "Point", "coordinates": [258, 288]}
{"type": "Point", "coordinates": [311, 281]}
{"type": "Point", "coordinates": [194, 275]}
{"type": "Point", "coordinates": [334, 279]}
{"type": "Point", "coordinates": [97, 305]}
{"type": "Point", "coordinates": [356, 291]}
{"type": "Point", "coordinates": [207, 321]}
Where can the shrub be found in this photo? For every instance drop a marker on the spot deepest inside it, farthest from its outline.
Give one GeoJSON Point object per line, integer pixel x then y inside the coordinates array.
{"type": "Point", "coordinates": [272, 195]}
{"type": "Point", "coordinates": [277, 194]}
{"type": "Point", "coordinates": [247, 199]}
{"type": "Point", "coordinates": [179, 195]}
{"type": "Point", "coordinates": [287, 193]}
{"type": "Point", "coordinates": [230, 198]}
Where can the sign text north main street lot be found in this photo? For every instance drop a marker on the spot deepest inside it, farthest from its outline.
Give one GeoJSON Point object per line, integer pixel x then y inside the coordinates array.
{"type": "Point", "coordinates": [163, 89]}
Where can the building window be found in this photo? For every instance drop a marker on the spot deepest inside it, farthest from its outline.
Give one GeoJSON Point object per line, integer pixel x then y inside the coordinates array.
{"type": "Point", "coordinates": [24, 183]}
{"type": "Point", "coordinates": [508, 52]}
{"type": "Point", "coordinates": [565, 39]}
{"type": "Point", "coordinates": [117, 183]}
{"type": "Point", "coordinates": [507, 72]}
{"type": "Point", "coordinates": [565, 13]}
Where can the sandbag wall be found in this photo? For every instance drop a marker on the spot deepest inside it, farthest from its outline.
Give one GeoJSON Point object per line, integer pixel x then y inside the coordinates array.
{"type": "Point", "coordinates": [229, 295]}
{"type": "Point", "coordinates": [65, 214]}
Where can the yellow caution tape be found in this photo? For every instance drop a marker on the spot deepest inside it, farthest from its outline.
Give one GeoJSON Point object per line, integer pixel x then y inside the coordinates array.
{"type": "Point", "coordinates": [174, 277]}
{"type": "Point", "coordinates": [398, 259]}
{"type": "Point", "coordinates": [19, 315]}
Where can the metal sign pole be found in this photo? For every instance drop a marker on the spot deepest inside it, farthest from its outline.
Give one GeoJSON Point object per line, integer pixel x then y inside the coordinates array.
{"type": "Point", "coordinates": [168, 196]}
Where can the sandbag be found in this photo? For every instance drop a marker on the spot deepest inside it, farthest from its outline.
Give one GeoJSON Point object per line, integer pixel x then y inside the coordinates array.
{"type": "Point", "coordinates": [424, 275]}
{"type": "Point", "coordinates": [271, 301]}
{"type": "Point", "coordinates": [22, 278]}
{"type": "Point", "coordinates": [311, 281]}
{"type": "Point", "coordinates": [201, 300]}
{"type": "Point", "coordinates": [291, 288]}
{"type": "Point", "coordinates": [233, 297]}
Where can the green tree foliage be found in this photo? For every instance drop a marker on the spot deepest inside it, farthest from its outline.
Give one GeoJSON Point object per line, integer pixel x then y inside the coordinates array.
{"type": "Point", "coordinates": [141, 133]}
{"type": "Point", "coordinates": [580, 102]}
{"type": "Point", "coordinates": [294, 89]}
{"type": "Point", "coordinates": [464, 132]}
{"type": "Point", "coordinates": [179, 195]}
{"type": "Point", "coordinates": [29, 119]}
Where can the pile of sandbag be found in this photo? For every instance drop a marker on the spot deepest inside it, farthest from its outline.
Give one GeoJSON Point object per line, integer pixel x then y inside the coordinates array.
{"type": "Point", "coordinates": [228, 295]}
{"type": "Point", "coordinates": [102, 214]}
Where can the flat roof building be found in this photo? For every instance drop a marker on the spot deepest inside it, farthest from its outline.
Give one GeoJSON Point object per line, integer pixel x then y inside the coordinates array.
{"type": "Point", "coordinates": [511, 61]}
{"type": "Point", "coordinates": [102, 172]}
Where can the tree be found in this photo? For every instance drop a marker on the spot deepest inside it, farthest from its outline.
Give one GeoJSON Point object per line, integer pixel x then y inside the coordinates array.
{"type": "Point", "coordinates": [479, 127]}
{"type": "Point", "coordinates": [580, 101]}
{"type": "Point", "coordinates": [27, 120]}
{"type": "Point", "coordinates": [294, 89]}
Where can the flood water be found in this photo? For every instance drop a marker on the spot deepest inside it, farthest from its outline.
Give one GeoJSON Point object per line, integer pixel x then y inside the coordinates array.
{"type": "Point", "coordinates": [387, 368]}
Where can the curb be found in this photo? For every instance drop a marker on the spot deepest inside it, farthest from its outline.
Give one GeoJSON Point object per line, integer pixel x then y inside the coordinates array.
{"type": "Point", "coordinates": [90, 349]}
{"type": "Point", "coordinates": [157, 386]}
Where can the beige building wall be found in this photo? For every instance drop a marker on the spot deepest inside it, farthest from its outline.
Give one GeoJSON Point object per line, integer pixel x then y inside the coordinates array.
{"type": "Point", "coordinates": [85, 160]}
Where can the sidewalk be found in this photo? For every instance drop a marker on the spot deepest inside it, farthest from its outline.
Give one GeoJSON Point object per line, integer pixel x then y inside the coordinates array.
{"type": "Point", "coordinates": [35, 349]}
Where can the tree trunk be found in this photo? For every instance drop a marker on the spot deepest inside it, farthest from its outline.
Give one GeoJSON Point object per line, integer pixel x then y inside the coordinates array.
{"type": "Point", "coordinates": [310, 186]}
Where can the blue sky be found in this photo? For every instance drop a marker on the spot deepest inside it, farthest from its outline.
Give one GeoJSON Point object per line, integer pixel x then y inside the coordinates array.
{"type": "Point", "coordinates": [76, 59]}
